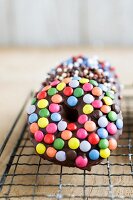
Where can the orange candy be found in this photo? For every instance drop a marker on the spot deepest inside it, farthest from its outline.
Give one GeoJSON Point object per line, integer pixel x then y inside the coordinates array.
{"type": "Point", "coordinates": [112, 144]}
{"type": "Point", "coordinates": [56, 98]}
{"type": "Point", "coordinates": [97, 91]}
{"type": "Point", "coordinates": [90, 126]}
{"type": "Point", "coordinates": [66, 80]}
{"type": "Point", "coordinates": [47, 87]}
{"type": "Point", "coordinates": [34, 127]}
{"type": "Point", "coordinates": [66, 135]}
{"type": "Point", "coordinates": [105, 109]}
{"type": "Point", "coordinates": [51, 152]}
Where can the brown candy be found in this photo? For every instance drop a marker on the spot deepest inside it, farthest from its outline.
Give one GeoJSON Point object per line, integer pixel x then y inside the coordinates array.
{"type": "Point", "coordinates": [71, 155]}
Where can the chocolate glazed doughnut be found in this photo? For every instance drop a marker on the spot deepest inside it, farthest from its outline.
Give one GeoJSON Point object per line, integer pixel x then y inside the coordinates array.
{"type": "Point", "coordinates": [75, 118]}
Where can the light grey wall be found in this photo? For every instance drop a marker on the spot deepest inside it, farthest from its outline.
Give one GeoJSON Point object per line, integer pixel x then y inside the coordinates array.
{"type": "Point", "coordinates": [66, 22]}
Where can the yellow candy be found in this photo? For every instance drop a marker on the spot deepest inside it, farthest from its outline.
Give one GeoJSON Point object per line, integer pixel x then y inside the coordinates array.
{"type": "Point", "coordinates": [61, 86]}
{"type": "Point", "coordinates": [84, 80]}
{"type": "Point", "coordinates": [87, 109]}
{"type": "Point", "coordinates": [73, 143]}
{"type": "Point", "coordinates": [104, 153]}
{"type": "Point", "coordinates": [43, 122]}
{"type": "Point", "coordinates": [40, 148]}
{"type": "Point", "coordinates": [43, 103]}
{"type": "Point", "coordinates": [108, 101]}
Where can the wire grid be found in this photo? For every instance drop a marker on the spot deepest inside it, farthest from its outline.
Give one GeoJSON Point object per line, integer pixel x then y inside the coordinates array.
{"type": "Point", "coordinates": [27, 176]}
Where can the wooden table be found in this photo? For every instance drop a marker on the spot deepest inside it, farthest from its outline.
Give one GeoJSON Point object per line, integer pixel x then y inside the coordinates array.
{"type": "Point", "coordinates": [22, 70]}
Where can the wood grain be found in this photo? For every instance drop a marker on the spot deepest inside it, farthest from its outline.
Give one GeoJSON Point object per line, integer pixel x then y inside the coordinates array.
{"type": "Point", "coordinates": [21, 70]}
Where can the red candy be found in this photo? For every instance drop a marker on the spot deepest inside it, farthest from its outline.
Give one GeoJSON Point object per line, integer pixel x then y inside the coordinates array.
{"type": "Point", "coordinates": [72, 127]}
{"type": "Point", "coordinates": [49, 138]}
{"type": "Point", "coordinates": [41, 95]}
{"type": "Point", "coordinates": [93, 138]}
{"type": "Point", "coordinates": [68, 91]}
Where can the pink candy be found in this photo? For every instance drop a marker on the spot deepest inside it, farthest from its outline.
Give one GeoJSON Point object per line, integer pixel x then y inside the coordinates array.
{"type": "Point", "coordinates": [111, 128]}
{"type": "Point", "coordinates": [54, 83]}
{"type": "Point", "coordinates": [97, 103]}
{"type": "Point", "coordinates": [87, 87]}
{"type": "Point", "coordinates": [38, 136]}
{"type": "Point", "coordinates": [82, 133]}
{"type": "Point", "coordinates": [51, 128]}
{"type": "Point", "coordinates": [81, 161]}
{"type": "Point", "coordinates": [82, 119]}
{"type": "Point", "coordinates": [54, 107]}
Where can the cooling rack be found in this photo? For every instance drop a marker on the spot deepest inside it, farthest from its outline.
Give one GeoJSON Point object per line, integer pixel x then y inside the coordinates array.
{"type": "Point", "coordinates": [27, 176]}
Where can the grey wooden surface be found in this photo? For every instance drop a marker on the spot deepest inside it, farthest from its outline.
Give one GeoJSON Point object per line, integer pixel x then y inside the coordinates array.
{"type": "Point", "coordinates": [66, 22]}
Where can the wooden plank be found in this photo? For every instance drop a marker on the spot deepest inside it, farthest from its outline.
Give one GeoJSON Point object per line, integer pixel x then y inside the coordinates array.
{"type": "Point", "coordinates": [22, 70]}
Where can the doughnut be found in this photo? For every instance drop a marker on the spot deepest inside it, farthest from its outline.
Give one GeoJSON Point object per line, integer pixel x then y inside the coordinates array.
{"type": "Point", "coordinates": [75, 118]}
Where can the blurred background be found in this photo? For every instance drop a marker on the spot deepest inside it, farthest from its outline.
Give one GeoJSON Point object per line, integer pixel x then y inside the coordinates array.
{"type": "Point", "coordinates": [66, 22]}
{"type": "Point", "coordinates": [35, 35]}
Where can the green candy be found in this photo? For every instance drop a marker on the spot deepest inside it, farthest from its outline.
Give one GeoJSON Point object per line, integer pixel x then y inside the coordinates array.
{"type": "Point", "coordinates": [103, 144]}
{"type": "Point", "coordinates": [52, 91]}
{"type": "Point", "coordinates": [78, 92]}
{"type": "Point", "coordinates": [33, 101]}
{"type": "Point", "coordinates": [93, 82]}
{"type": "Point", "coordinates": [112, 116]}
{"type": "Point", "coordinates": [110, 94]}
{"type": "Point", "coordinates": [44, 112]}
{"type": "Point", "coordinates": [58, 143]}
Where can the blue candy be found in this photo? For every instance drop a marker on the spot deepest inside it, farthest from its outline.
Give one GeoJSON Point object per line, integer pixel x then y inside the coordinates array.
{"type": "Point", "coordinates": [72, 101]}
{"type": "Point", "coordinates": [103, 87]}
{"type": "Point", "coordinates": [119, 123]}
{"type": "Point", "coordinates": [85, 61]}
{"type": "Point", "coordinates": [102, 132]}
{"type": "Point", "coordinates": [33, 118]}
{"type": "Point", "coordinates": [69, 61]}
{"type": "Point", "coordinates": [93, 154]}
{"type": "Point", "coordinates": [76, 78]}
{"type": "Point", "coordinates": [56, 117]}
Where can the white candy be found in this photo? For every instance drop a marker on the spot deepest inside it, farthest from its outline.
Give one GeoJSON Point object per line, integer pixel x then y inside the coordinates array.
{"type": "Point", "coordinates": [80, 60]}
{"type": "Point", "coordinates": [76, 64]}
{"type": "Point", "coordinates": [102, 122]}
{"type": "Point", "coordinates": [31, 109]}
{"type": "Point", "coordinates": [60, 156]}
{"type": "Point", "coordinates": [59, 70]}
{"type": "Point", "coordinates": [85, 146]}
{"type": "Point", "coordinates": [88, 98]}
{"type": "Point", "coordinates": [70, 65]}
{"type": "Point", "coordinates": [74, 83]}
{"type": "Point", "coordinates": [62, 125]}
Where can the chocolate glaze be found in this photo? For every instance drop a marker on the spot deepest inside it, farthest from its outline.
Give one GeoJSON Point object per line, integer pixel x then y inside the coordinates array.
{"type": "Point", "coordinates": [71, 114]}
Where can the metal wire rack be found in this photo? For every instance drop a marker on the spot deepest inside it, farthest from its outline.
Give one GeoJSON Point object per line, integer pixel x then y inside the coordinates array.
{"type": "Point", "coordinates": [28, 177]}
